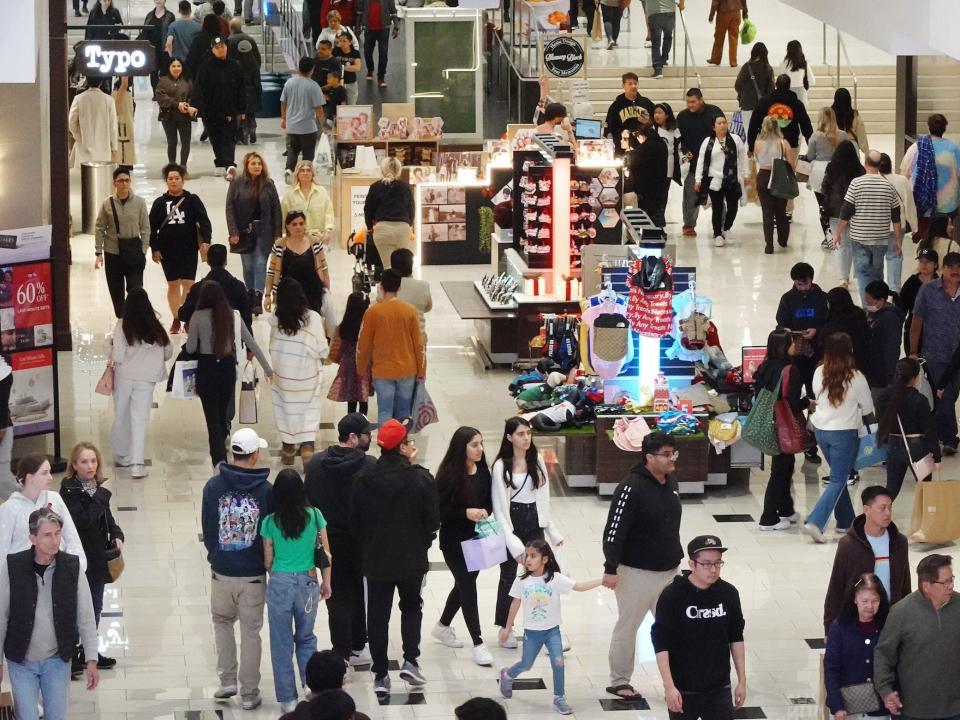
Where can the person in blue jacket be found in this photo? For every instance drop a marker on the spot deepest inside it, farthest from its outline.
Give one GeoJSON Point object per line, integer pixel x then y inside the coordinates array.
{"type": "Point", "coordinates": [235, 502]}
{"type": "Point", "coordinates": [850, 643]}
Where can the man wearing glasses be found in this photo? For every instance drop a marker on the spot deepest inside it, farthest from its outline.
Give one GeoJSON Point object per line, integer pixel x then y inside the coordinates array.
{"type": "Point", "coordinates": [698, 626]}
{"type": "Point", "coordinates": [642, 551]}
{"type": "Point", "coordinates": [916, 663]}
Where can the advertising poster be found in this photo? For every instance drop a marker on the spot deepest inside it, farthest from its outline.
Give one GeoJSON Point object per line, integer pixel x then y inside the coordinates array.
{"type": "Point", "coordinates": [752, 357]}
{"type": "Point", "coordinates": [26, 307]}
{"type": "Point", "coordinates": [358, 198]}
{"type": "Point", "coordinates": [31, 399]}
{"type": "Point", "coordinates": [25, 244]}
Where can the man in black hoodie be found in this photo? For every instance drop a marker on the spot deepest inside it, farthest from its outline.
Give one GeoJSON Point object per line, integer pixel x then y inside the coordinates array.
{"type": "Point", "coordinates": [396, 515]}
{"type": "Point", "coordinates": [233, 288]}
{"type": "Point", "coordinates": [623, 115]}
{"type": "Point", "coordinates": [698, 626]}
{"type": "Point", "coordinates": [220, 96]}
{"type": "Point", "coordinates": [783, 104]}
{"type": "Point", "coordinates": [641, 549]}
{"type": "Point", "coordinates": [235, 502]}
{"type": "Point", "coordinates": [329, 482]}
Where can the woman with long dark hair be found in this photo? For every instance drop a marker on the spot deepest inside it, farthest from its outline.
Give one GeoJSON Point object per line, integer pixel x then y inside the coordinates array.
{"type": "Point", "coordinates": [647, 165]}
{"type": "Point", "coordinates": [139, 351]}
{"type": "Point", "coordinates": [851, 640]}
{"type": "Point", "coordinates": [905, 418]}
{"type": "Point", "coordinates": [842, 398]}
{"type": "Point", "coordinates": [298, 346]}
{"type": "Point", "coordinates": [849, 120]}
{"type": "Point", "coordinates": [216, 332]}
{"type": "Point", "coordinates": [292, 534]}
{"type": "Point", "coordinates": [254, 223]}
{"type": "Point", "coordinates": [845, 317]}
{"type": "Point", "coordinates": [666, 124]}
{"type": "Point", "coordinates": [521, 504]}
{"type": "Point", "coordinates": [173, 93]}
{"type": "Point", "coordinates": [86, 494]}
{"type": "Point", "coordinates": [350, 386]}
{"type": "Point", "coordinates": [463, 484]}
{"type": "Point", "coordinates": [843, 167]}
{"type": "Point", "coordinates": [721, 168]}
{"type": "Point", "coordinates": [754, 80]}
{"type": "Point", "coordinates": [778, 367]}
{"type": "Point", "coordinates": [299, 256]}
{"type": "Point", "coordinates": [801, 73]}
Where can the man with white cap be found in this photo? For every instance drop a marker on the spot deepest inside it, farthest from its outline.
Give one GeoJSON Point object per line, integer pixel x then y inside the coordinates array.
{"type": "Point", "coordinates": [235, 501]}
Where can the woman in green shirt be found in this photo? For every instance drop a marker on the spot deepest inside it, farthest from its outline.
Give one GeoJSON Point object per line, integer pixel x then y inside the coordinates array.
{"type": "Point", "coordinates": [290, 535]}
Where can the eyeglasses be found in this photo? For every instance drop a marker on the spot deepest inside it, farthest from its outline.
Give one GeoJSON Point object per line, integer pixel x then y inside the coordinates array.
{"type": "Point", "coordinates": [949, 581]}
{"type": "Point", "coordinates": [669, 455]}
{"type": "Point", "coordinates": [408, 441]}
{"type": "Point", "coordinates": [714, 565]}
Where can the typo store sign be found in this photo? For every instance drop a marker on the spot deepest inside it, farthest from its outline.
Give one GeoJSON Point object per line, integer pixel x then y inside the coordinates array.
{"type": "Point", "coordinates": [106, 58]}
{"type": "Point", "coordinates": [564, 56]}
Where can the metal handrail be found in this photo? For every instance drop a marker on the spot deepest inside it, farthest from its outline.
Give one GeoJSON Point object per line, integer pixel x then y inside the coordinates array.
{"type": "Point", "coordinates": [293, 44]}
{"type": "Point", "coordinates": [842, 45]}
{"type": "Point", "coordinates": [688, 53]}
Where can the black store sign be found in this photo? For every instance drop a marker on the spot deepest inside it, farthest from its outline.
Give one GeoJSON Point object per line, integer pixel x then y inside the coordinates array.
{"type": "Point", "coordinates": [106, 58]}
{"type": "Point", "coordinates": [563, 56]}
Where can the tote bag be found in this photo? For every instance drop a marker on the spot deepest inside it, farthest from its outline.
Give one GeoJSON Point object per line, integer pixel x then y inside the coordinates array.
{"type": "Point", "coordinates": [483, 553]}
{"type": "Point", "coordinates": [248, 395]}
{"type": "Point", "coordinates": [105, 383]}
{"type": "Point", "coordinates": [424, 412]}
{"type": "Point", "coordinates": [783, 181]}
{"type": "Point", "coordinates": [185, 380]}
{"type": "Point", "coordinates": [869, 453]}
{"type": "Point", "coordinates": [792, 434]}
{"type": "Point", "coordinates": [936, 512]}
{"type": "Point", "coordinates": [760, 429]}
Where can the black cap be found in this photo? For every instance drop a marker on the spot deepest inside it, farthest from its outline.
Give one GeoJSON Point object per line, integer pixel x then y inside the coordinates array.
{"type": "Point", "coordinates": [217, 41]}
{"type": "Point", "coordinates": [928, 254]}
{"type": "Point", "coordinates": [704, 542]}
{"type": "Point", "coordinates": [356, 423]}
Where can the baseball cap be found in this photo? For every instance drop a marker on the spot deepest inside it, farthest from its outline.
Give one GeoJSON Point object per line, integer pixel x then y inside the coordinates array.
{"type": "Point", "coordinates": [392, 433]}
{"type": "Point", "coordinates": [356, 423]}
{"type": "Point", "coordinates": [928, 254]}
{"type": "Point", "coordinates": [704, 542]}
{"type": "Point", "coordinates": [246, 442]}
{"type": "Point", "coordinates": [217, 41]}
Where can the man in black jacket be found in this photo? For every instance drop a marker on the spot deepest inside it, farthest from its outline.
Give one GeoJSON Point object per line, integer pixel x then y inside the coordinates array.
{"type": "Point", "coordinates": [220, 96]}
{"type": "Point", "coordinates": [624, 112]}
{"type": "Point", "coordinates": [641, 549]}
{"type": "Point", "coordinates": [396, 515]}
{"type": "Point", "coordinates": [787, 108]}
{"type": "Point", "coordinates": [244, 50]}
{"type": "Point", "coordinates": [695, 125]}
{"type": "Point", "coordinates": [233, 288]}
{"type": "Point", "coordinates": [699, 625]}
{"type": "Point", "coordinates": [330, 482]}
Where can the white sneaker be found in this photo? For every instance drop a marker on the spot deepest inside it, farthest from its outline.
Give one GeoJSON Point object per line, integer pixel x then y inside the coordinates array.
{"type": "Point", "coordinates": [784, 524]}
{"type": "Point", "coordinates": [138, 471]}
{"type": "Point", "coordinates": [565, 643]}
{"type": "Point", "coordinates": [288, 707]}
{"type": "Point", "coordinates": [482, 656]}
{"type": "Point", "coordinates": [718, 241]}
{"type": "Point", "coordinates": [792, 518]}
{"type": "Point", "coordinates": [362, 657]}
{"type": "Point", "coordinates": [727, 235]}
{"type": "Point", "coordinates": [219, 172]}
{"type": "Point", "coordinates": [814, 532]}
{"type": "Point", "coordinates": [446, 635]}
{"type": "Point", "coordinates": [511, 643]}
{"type": "Point", "coordinates": [252, 702]}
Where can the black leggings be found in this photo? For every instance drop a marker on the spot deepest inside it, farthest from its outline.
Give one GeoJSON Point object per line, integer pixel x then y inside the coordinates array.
{"type": "Point", "coordinates": [824, 216]}
{"type": "Point", "coordinates": [173, 128]}
{"type": "Point", "coordinates": [526, 526]}
{"type": "Point", "coordinates": [352, 407]}
{"type": "Point", "coordinates": [774, 211]}
{"type": "Point", "coordinates": [777, 499]}
{"type": "Point", "coordinates": [216, 377]}
{"type": "Point", "coordinates": [723, 217]}
{"type": "Point", "coordinates": [611, 21]}
{"type": "Point", "coordinates": [463, 595]}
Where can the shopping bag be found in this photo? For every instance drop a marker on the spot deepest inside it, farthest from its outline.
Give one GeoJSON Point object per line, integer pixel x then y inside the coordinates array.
{"type": "Point", "coordinates": [736, 126]}
{"type": "Point", "coordinates": [597, 33]}
{"type": "Point", "coordinates": [424, 412]}
{"type": "Point", "coordinates": [105, 383]}
{"type": "Point", "coordinates": [182, 355]}
{"type": "Point", "coordinates": [803, 171]}
{"type": "Point", "coordinates": [184, 380]}
{"type": "Point", "coordinates": [487, 527]}
{"type": "Point", "coordinates": [323, 153]}
{"type": "Point", "coordinates": [483, 553]}
{"type": "Point", "coordinates": [869, 453]}
{"type": "Point", "coordinates": [936, 512]}
{"type": "Point", "coordinates": [7, 711]}
{"type": "Point", "coordinates": [760, 429]}
{"type": "Point", "coordinates": [783, 181]}
{"type": "Point", "coordinates": [751, 184]}
{"type": "Point", "coordinates": [748, 31]}
{"type": "Point", "coordinates": [248, 395]}
{"type": "Point", "coordinates": [792, 433]}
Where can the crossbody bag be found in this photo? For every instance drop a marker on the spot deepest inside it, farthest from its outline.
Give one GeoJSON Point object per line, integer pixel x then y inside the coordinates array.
{"type": "Point", "coordinates": [131, 249]}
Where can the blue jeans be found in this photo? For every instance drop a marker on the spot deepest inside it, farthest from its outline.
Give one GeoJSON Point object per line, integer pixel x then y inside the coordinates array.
{"type": "Point", "coordinates": [840, 449]}
{"type": "Point", "coordinates": [255, 268]}
{"type": "Point", "coordinates": [661, 37]}
{"type": "Point", "coordinates": [533, 640]}
{"type": "Point", "coordinates": [894, 265]}
{"type": "Point", "coordinates": [49, 679]}
{"type": "Point", "coordinates": [844, 253]}
{"type": "Point", "coordinates": [394, 398]}
{"type": "Point", "coordinates": [291, 598]}
{"type": "Point", "coordinates": [96, 594]}
{"type": "Point", "coordinates": [867, 264]}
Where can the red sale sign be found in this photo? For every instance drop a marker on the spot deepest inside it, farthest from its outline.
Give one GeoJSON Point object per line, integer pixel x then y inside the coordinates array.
{"type": "Point", "coordinates": [32, 299]}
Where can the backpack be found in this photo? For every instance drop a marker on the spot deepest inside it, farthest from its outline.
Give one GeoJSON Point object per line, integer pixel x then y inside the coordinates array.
{"type": "Point", "coordinates": [693, 331]}
{"type": "Point", "coordinates": [653, 275]}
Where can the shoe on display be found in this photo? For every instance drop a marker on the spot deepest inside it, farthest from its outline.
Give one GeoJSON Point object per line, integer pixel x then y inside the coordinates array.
{"type": "Point", "coordinates": [381, 684]}
{"type": "Point", "coordinates": [814, 532]}
{"type": "Point", "coordinates": [795, 518]}
{"type": "Point", "coordinates": [362, 657]}
{"type": "Point", "coordinates": [560, 705]}
{"type": "Point", "coordinates": [718, 241]}
{"type": "Point", "coordinates": [224, 692]}
{"type": "Point", "coordinates": [783, 524]}
{"type": "Point", "coordinates": [288, 707]}
{"type": "Point", "coordinates": [445, 635]}
{"type": "Point", "coordinates": [482, 656]}
{"type": "Point", "coordinates": [252, 702]}
{"type": "Point", "coordinates": [506, 684]}
{"type": "Point", "coordinates": [411, 674]}
{"type": "Point", "coordinates": [136, 472]}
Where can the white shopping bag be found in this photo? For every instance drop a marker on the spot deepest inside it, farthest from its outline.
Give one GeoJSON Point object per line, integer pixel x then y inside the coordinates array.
{"type": "Point", "coordinates": [324, 155]}
{"type": "Point", "coordinates": [185, 380]}
{"type": "Point", "coordinates": [483, 553]}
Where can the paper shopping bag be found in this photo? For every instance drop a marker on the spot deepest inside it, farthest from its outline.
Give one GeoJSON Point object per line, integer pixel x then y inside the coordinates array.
{"type": "Point", "coordinates": [7, 711]}
{"type": "Point", "coordinates": [185, 380]}
{"type": "Point", "coordinates": [936, 512]}
{"type": "Point", "coordinates": [483, 553]}
{"type": "Point", "coordinates": [247, 410]}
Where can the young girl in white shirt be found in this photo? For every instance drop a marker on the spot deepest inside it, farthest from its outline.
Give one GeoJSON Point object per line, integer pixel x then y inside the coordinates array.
{"type": "Point", "coordinates": [538, 590]}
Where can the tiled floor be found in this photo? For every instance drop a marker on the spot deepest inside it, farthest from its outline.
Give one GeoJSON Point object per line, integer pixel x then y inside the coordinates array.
{"type": "Point", "coordinates": [157, 620]}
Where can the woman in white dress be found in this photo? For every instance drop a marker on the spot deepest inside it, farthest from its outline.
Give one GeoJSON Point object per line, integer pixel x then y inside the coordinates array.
{"type": "Point", "coordinates": [298, 346]}
{"type": "Point", "coordinates": [801, 74]}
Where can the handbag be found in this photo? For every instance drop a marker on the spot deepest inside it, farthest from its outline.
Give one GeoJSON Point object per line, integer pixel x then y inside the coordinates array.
{"type": "Point", "coordinates": [783, 182]}
{"type": "Point", "coordinates": [922, 468]}
{"type": "Point", "coordinates": [803, 170]}
{"type": "Point", "coordinates": [792, 433]}
{"type": "Point", "coordinates": [485, 552]}
{"type": "Point", "coordinates": [935, 517]}
{"type": "Point", "coordinates": [131, 249]}
{"type": "Point", "coordinates": [115, 562]}
{"type": "Point", "coordinates": [320, 558]}
{"type": "Point", "coordinates": [760, 429]}
{"type": "Point", "coordinates": [424, 411]}
{"type": "Point", "coordinates": [869, 453]}
{"type": "Point", "coordinates": [248, 238]}
{"type": "Point", "coordinates": [184, 380]}
{"type": "Point", "coordinates": [859, 699]}
{"type": "Point", "coordinates": [248, 395]}
{"type": "Point", "coordinates": [105, 383]}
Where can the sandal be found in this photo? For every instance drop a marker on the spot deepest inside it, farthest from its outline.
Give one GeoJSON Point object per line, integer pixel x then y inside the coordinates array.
{"type": "Point", "coordinates": [618, 691]}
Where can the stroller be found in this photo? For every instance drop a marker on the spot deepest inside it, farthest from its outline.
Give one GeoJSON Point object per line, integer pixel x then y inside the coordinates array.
{"type": "Point", "coordinates": [367, 267]}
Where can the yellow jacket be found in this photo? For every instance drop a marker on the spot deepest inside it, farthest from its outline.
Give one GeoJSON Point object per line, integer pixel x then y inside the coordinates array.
{"type": "Point", "coordinates": [315, 205]}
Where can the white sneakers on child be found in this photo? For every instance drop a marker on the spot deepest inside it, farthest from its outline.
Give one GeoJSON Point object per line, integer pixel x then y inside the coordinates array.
{"type": "Point", "coordinates": [482, 656]}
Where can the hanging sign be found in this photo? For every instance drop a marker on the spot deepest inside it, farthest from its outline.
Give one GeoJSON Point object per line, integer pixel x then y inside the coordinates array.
{"type": "Point", "coordinates": [109, 58]}
{"type": "Point", "coordinates": [564, 56]}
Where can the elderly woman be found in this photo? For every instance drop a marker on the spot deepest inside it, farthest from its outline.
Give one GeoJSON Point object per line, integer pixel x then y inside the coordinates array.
{"type": "Point", "coordinates": [313, 201]}
{"type": "Point", "coordinates": [388, 211]}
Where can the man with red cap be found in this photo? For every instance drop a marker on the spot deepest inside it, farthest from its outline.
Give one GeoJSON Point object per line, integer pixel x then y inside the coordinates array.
{"type": "Point", "coordinates": [396, 516]}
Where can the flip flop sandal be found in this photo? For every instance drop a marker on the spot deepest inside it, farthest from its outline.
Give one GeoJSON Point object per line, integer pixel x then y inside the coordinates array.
{"type": "Point", "coordinates": [616, 690]}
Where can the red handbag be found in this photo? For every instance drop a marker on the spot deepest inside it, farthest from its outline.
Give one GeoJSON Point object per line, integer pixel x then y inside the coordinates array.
{"type": "Point", "coordinates": [792, 434]}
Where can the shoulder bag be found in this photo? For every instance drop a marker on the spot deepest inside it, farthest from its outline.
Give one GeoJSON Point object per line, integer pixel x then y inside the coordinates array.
{"type": "Point", "coordinates": [131, 249]}
{"type": "Point", "coordinates": [760, 428]}
{"type": "Point", "coordinates": [792, 433]}
{"type": "Point", "coordinates": [115, 562]}
{"type": "Point", "coordinates": [320, 558]}
{"type": "Point", "coordinates": [860, 699]}
{"type": "Point", "coordinates": [105, 383]}
{"type": "Point", "coordinates": [783, 182]}
{"type": "Point", "coordinates": [249, 235]}
{"type": "Point", "coordinates": [922, 468]}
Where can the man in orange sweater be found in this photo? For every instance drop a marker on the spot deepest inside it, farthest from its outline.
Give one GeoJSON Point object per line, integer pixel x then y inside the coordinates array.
{"type": "Point", "coordinates": [390, 340]}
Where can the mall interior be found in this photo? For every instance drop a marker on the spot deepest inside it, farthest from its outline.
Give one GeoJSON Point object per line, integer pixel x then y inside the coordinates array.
{"type": "Point", "coordinates": [511, 283]}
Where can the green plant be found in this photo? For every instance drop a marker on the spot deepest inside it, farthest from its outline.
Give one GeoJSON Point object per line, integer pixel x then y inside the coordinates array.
{"type": "Point", "coordinates": [486, 228]}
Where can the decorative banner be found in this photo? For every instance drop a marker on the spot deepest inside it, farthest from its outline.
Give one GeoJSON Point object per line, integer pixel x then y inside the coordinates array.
{"type": "Point", "coordinates": [25, 244]}
{"type": "Point", "coordinates": [108, 58]}
{"type": "Point", "coordinates": [31, 399]}
{"type": "Point", "coordinates": [564, 56]}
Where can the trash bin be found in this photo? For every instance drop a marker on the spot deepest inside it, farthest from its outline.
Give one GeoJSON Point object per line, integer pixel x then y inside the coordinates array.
{"type": "Point", "coordinates": [96, 185]}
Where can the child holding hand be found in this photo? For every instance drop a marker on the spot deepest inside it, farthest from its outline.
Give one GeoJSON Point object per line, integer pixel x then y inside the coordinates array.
{"type": "Point", "coordinates": [539, 590]}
